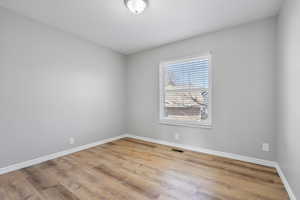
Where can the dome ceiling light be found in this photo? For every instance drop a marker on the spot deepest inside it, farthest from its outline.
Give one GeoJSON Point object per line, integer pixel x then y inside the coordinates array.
{"type": "Point", "coordinates": [136, 6]}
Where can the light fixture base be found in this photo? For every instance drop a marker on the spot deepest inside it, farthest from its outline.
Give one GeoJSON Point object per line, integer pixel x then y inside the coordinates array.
{"type": "Point", "coordinates": [136, 6]}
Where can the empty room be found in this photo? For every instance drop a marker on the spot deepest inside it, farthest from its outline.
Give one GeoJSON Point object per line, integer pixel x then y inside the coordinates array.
{"type": "Point", "coordinates": [149, 100]}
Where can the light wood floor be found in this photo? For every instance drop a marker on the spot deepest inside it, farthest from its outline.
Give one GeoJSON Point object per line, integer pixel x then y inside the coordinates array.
{"type": "Point", "coordinates": [133, 169]}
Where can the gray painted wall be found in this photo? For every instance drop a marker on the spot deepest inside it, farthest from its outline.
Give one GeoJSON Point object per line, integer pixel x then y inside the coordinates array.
{"type": "Point", "coordinates": [243, 92]}
{"type": "Point", "coordinates": [54, 86]}
{"type": "Point", "coordinates": [289, 96]}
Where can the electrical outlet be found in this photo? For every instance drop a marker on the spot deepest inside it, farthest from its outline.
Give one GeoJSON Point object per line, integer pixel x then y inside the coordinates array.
{"type": "Point", "coordinates": [71, 140]}
{"type": "Point", "coordinates": [176, 136]}
{"type": "Point", "coordinates": [265, 147]}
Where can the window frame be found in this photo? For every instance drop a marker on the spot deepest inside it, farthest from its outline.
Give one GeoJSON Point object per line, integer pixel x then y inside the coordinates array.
{"type": "Point", "coordinates": [192, 123]}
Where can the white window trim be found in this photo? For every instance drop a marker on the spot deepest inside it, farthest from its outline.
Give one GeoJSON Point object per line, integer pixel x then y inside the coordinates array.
{"type": "Point", "coordinates": [203, 124]}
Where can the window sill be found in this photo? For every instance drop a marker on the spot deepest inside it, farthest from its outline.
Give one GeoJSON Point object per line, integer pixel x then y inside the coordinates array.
{"type": "Point", "coordinates": [185, 124]}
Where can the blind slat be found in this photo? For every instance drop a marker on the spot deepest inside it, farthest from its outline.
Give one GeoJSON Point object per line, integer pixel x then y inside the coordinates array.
{"type": "Point", "coordinates": [186, 85]}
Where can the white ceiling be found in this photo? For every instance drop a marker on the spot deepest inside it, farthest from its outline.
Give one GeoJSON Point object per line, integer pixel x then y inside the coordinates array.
{"type": "Point", "coordinates": [110, 24]}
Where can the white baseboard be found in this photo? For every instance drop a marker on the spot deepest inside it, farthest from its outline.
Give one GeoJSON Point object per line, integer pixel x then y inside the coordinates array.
{"type": "Point", "coordinates": [226, 155]}
{"type": "Point", "coordinates": [183, 146]}
{"type": "Point", "coordinates": [55, 155]}
{"type": "Point", "coordinates": [285, 182]}
{"type": "Point", "coordinates": [209, 151]}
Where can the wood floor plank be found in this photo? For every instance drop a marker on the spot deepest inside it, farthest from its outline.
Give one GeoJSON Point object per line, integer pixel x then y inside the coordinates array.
{"type": "Point", "coordinates": [131, 169]}
{"type": "Point", "coordinates": [20, 189]}
{"type": "Point", "coordinates": [203, 175]}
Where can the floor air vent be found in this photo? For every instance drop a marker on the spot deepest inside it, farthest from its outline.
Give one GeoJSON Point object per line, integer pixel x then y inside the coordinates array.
{"type": "Point", "coordinates": [178, 150]}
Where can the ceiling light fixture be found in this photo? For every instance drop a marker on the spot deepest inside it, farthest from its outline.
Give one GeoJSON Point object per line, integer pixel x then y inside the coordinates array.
{"type": "Point", "coordinates": [136, 6]}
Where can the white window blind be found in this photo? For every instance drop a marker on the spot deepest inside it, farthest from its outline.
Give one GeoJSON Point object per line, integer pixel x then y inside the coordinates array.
{"type": "Point", "coordinates": [185, 92]}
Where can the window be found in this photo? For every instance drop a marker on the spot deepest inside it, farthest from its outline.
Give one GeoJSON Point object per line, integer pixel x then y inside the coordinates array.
{"type": "Point", "coordinates": [185, 92]}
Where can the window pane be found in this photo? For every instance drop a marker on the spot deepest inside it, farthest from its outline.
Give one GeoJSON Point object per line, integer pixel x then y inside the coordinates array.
{"type": "Point", "coordinates": [186, 90]}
